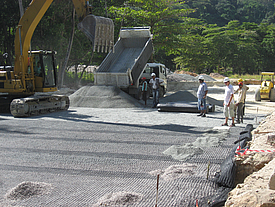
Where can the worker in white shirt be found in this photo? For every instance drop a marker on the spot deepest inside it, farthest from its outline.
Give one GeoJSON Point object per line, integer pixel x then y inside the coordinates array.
{"type": "Point", "coordinates": [155, 84]}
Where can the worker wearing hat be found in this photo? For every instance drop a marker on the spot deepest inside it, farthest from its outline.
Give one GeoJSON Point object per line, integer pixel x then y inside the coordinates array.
{"type": "Point", "coordinates": [201, 94]}
{"type": "Point", "coordinates": [155, 85]}
{"type": "Point", "coordinates": [245, 88]}
{"type": "Point", "coordinates": [228, 102]}
{"type": "Point", "coordinates": [239, 103]}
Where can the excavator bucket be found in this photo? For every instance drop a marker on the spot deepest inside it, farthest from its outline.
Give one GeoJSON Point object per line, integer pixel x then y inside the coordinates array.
{"type": "Point", "coordinates": [100, 31]}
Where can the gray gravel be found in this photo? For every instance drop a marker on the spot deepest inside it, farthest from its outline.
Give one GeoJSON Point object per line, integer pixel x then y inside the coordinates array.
{"type": "Point", "coordinates": [109, 152]}
{"type": "Point", "coordinates": [86, 154]}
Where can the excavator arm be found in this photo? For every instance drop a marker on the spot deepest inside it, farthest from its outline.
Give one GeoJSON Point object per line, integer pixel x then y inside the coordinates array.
{"type": "Point", "coordinates": [98, 29]}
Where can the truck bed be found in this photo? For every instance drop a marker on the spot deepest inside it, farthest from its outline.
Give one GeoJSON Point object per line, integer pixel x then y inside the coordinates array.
{"type": "Point", "coordinates": [125, 60]}
{"type": "Point", "coordinates": [124, 66]}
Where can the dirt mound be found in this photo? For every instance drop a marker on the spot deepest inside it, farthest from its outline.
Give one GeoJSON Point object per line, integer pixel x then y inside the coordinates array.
{"type": "Point", "coordinates": [186, 72]}
{"type": "Point", "coordinates": [27, 189]}
{"type": "Point", "coordinates": [175, 171]}
{"type": "Point", "coordinates": [217, 76]}
{"type": "Point", "coordinates": [102, 97]}
{"type": "Point", "coordinates": [119, 199]}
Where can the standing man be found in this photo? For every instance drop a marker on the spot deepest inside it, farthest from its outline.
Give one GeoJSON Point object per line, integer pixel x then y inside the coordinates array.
{"type": "Point", "coordinates": [245, 88]}
{"type": "Point", "coordinates": [144, 90]}
{"type": "Point", "coordinates": [228, 103]}
{"type": "Point", "coordinates": [240, 102]}
{"type": "Point", "coordinates": [201, 94]}
{"type": "Point", "coordinates": [155, 83]}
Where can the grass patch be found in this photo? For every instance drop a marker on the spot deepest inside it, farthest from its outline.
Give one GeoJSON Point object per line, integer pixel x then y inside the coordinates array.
{"type": "Point", "coordinates": [245, 77]}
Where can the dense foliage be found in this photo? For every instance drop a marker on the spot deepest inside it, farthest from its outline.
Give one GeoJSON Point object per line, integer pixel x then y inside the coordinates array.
{"type": "Point", "coordinates": [227, 36]}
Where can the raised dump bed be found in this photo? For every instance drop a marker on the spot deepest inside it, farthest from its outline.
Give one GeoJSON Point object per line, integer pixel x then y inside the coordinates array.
{"type": "Point", "coordinates": [124, 65]}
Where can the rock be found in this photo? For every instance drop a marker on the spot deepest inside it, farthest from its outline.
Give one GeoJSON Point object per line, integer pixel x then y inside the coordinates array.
{"type": "Point", "coordinates": [271, 182]}
{"type": "Point", "coordinates": [255, 171]}
{"type": "Point", "coordinates": [271, 139]}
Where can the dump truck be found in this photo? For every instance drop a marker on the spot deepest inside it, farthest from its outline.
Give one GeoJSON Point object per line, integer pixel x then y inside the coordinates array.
{"type": "Point", "coordinates": [125, 64]}
{"type": "Point", "coordinates": [266, 91]}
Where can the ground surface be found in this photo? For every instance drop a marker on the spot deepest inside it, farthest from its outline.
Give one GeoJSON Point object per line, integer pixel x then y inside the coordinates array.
{"type": "Point", "coordinates": [81, 156]}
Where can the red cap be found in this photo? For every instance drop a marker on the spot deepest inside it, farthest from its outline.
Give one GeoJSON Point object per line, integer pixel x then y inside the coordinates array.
{"type": "Point", "coordinates": [240, 83]}
{"type": "Point", "coordinates": [143, 78]}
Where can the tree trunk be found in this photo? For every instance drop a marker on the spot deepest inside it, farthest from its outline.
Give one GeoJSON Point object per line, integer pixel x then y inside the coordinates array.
{"type": "Point", "coordinates": [75, 73]}
{"type": "Point", "coordinates": [90, 62]}
{"type": "Point", "coordinates": [62, 69]}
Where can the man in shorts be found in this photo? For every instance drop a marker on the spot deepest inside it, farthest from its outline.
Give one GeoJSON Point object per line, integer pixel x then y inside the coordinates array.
{"type": "Point", "coordinates": [228, 102]}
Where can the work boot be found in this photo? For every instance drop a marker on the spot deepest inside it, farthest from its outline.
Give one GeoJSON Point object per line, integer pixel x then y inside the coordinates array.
{"type": "Point", "coordinates": [203, 115]}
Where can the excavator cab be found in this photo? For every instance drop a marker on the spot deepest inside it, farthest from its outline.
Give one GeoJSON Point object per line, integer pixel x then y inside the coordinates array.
{"type": "Point", "coordinates": [44, 70]}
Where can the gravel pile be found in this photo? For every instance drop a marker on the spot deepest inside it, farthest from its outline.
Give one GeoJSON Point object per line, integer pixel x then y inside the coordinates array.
{"type": "Point", "coordinates": [175, 77]}
{"type": "Point", "coordinates": [102, 97]}
{"type": "Point", "coordinates": [206, 77]}
{"type": "Point", "coordinates": [28, 189]}
{"type": "Point", "coordinates": [119, 199]}
{"type": "Point", "coordinates": [183, 96]}
{"type": "Point", "coordinates": [180, 77]}
{"type": "Point", "coordinates": [175, 171]}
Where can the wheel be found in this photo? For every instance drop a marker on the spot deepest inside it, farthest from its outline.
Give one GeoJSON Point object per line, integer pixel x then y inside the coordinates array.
{"type": "Point", "coordinates": [257, 95]}
{"type": "Point", "coordinates": [211, 108]}
{"type": "Point", "coordinates": [272, 95]}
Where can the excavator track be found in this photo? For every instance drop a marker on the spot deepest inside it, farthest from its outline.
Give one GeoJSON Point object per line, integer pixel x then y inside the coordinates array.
{"type": "Point", "coordinates": [41, 104]}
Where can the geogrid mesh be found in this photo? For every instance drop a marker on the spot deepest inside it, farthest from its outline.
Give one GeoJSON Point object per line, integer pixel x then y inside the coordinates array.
{"type": "Point", "coordinates": [81, 185]}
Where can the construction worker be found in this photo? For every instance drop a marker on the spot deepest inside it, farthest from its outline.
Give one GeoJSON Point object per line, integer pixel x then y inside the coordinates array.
{"type": "Point", "coordinates": [239, 103]}
{"type": "Point", "coordinates": [228, 102]}
{"type": "Point", "coordinates": [155, 84]}
{"type": "Point", "coordinates": [201, 94]}
{"type": "Point", "coordinates": [245, 88]}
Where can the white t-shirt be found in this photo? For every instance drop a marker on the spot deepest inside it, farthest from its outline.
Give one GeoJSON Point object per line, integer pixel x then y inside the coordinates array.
{"type": "Point", "coordinates": [201, 90]}
{"type": "Point", "coordinates": [229, 90]}
{"type": "Point", "coordinates": [154, 82]}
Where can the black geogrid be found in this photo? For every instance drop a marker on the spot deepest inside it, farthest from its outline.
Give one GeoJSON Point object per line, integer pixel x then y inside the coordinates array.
{"type": "Point", "coordinates": [180, 192]}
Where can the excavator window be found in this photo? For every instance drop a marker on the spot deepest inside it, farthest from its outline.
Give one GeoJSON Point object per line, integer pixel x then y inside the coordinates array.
{"type": "Point", "coordinates": [49, 70]}
{"type": "Point", "coordinates": [37, 66]}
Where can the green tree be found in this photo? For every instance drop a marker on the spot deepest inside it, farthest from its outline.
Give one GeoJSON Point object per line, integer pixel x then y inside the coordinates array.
{"type": "Point", "coordinates": [268, 49]}
{"type": "Point", "coordinates": [165, 18]}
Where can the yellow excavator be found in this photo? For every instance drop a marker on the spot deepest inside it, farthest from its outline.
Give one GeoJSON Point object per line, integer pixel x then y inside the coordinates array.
{"type": "Point", "coordinates": [24, 87]}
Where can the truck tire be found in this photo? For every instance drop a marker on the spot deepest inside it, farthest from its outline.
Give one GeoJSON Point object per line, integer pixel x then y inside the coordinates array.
{"type": "Point", "coordinates": [272, 95]}
{"type": "Point", "coordinates": [257, 95]}
{"type": "Point", "coordinates": [211, 108]}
